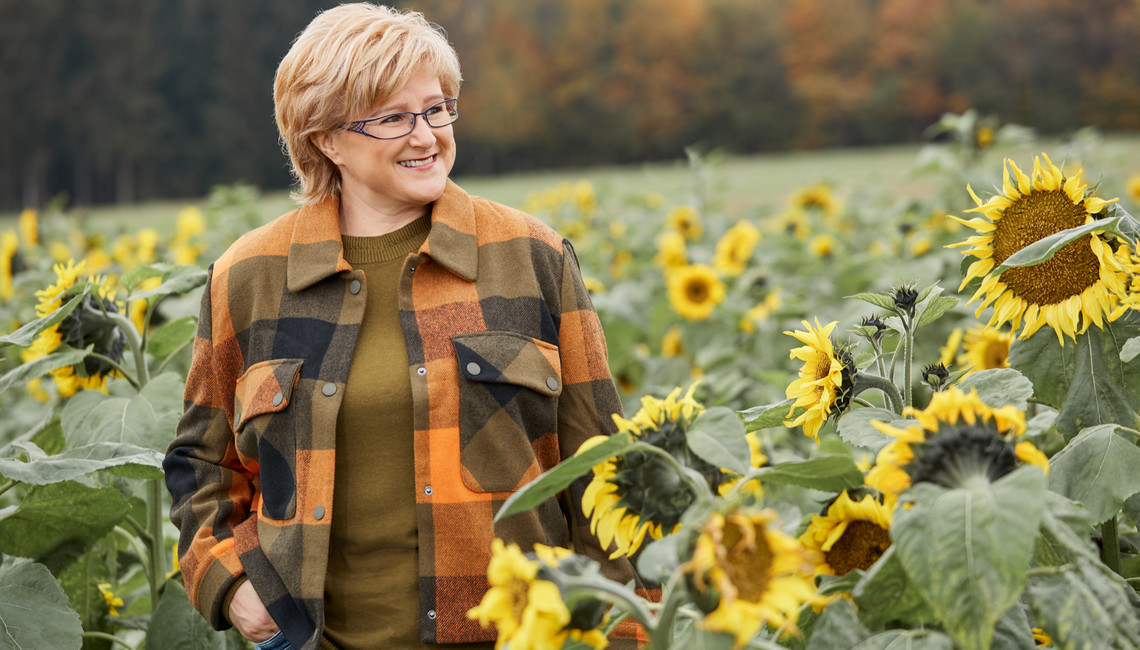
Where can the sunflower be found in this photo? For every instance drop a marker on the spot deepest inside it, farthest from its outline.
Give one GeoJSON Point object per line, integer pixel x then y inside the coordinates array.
{"type": "Point", "coordinates": [86, 325]}
{"type": "Point", "coordinates": [823, 245]}
{"type": "Point", "coordinates": [29, 225]}
{"type": "Point", "coordinates": [113, 602]}
{"type": "Point", "coordinates": [1041, 638]}
{"type": "Point", "coordinates": [686, 220]}
{"type": "Point", "coordinates": [734, 250]}
{"type": "Point", "coordinates": [984, 137]}
{"type": "Point", "coordinates": [671, 343]}
{"type": "Point", "coordinates": [755, 574]}
{"type": "Point", "coordinates": [817, 197]}
{"type": "Point", "coordinates": [850, 534]}
{"type": "Point", "coordinates": [1134, 188]}
{"type": "Point", "coordinates": [955, 435]}
{"type": "Point", "coordinates": [948, 353]}
{"type": "Point", "coordinates": [640, 493]}
{"type": "Point", "coordinates": [528, 611]}
{"type": "Point", "coordinates": [762, 311]}
{"type": "Point", "coordinates": [753, 488]}
{"type": "Point", "coordinates": [1130, 262]}
{"type": "Point", "coordinates": [825, 381]}
{"type": "Point", "coordinates": [1069, 292]}
{"type": "Point", "coordinates": [695, 291]}
{"type": "Point", "coordinates": [9, 250]}
{"type": "Point", "coordinates": [671, 251]}
{"type": "Point", "coordinates": [985, 348]}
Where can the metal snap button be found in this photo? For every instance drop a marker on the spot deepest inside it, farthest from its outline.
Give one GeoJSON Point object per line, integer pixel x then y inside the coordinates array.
{"type": "Point", "coordinates": [278, 398]}
{"type": "Point", "coordinates": [354, 287]}
{"type": "Point", "coordinates": [431, 614]}
{"type": "Point", "coordinates": [319, 512]}
{"type": "Point", "coordinates": [329, 389]}
{"type": "Point", "coordinates": [428, 490]}
{"type": "Point", "coordinates": [552, 383]}
{"type": "Point", "coordinates": [473, 368]}
{"type": "Point", "coordinates": [411, 269]}
{"type": "Point", "coordinates": [421, 371]}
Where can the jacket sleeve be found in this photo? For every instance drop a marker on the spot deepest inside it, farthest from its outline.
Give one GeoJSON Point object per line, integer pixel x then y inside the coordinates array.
{"type": "Point", "coordinates": [589, 400]}
{"type": "Point", "coordinates": [212, 492]}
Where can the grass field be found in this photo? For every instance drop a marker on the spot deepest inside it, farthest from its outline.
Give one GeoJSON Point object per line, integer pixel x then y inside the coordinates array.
{"type": "Point", "coordinates": [738, 184]}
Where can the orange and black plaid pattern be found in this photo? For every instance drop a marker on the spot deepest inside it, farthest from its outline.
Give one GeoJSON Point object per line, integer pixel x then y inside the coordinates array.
{"type": "Point", "coordinates": [509, 375]}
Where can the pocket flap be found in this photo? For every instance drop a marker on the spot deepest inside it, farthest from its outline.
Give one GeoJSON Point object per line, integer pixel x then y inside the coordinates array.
{"type": "Point", "coordinates": [510, 358]}
{"type": "Point", "coordinates": [265, 388]}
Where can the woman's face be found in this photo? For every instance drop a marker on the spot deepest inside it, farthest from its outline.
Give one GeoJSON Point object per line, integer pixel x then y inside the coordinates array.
{"type": "Point", "coordinates": [403, 175]}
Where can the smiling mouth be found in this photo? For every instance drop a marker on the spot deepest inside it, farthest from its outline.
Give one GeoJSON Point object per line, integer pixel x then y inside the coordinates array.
{"type": "Point", "coordinates": [421, 162]}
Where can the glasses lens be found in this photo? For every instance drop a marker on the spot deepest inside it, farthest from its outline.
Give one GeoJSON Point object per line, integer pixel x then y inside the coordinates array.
{"type": "Point", "coordinates": [391, 126]}
{"type": "Point", "coordinates": [443, 113]}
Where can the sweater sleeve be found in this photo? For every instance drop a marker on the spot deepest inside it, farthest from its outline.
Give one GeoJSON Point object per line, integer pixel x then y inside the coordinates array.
{"type": "Point", "coordinates": [211, 490]}
{"type": "Point", "coordinates": [589, 400]}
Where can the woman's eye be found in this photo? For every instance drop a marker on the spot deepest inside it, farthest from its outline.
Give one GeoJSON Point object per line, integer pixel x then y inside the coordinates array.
{"type": "Point", "coordinates": [395, 118]}
{"type": "Point", "coordinates": [435, 110]}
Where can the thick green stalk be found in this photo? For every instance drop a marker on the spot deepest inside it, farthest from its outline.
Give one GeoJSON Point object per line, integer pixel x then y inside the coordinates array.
{"type": "Point", "coordinates": [107, 637]}
{"type": "Point", "coordinates": [612, 592]}
{"type": "Point", "coordinates": [136, 345]}
{"type": "Point", "coordinates": [8, 486]}
{"type": "Point", "coordinates": [114, 364]}
{"type": "Point", "coordinates": [663, 633]}
{"type": "Point", "coordinates": [864, 381]}
{"type": "Point", "coordinates": [154, 511]}
{"type": "Point", "coordinates": [1110, 545]}
{"type": "Point", "coordinates": [908, 361]}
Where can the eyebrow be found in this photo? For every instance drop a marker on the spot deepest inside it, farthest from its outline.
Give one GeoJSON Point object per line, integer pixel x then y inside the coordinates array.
{"type": "Point", "coordinates": [403, 108]}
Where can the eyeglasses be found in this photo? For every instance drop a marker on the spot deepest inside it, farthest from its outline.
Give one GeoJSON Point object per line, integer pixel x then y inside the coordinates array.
{"type": "Point", "coordinates": [397, 125]}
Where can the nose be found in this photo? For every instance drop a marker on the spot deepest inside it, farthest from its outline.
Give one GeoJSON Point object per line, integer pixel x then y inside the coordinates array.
{"type": "Point", "coordinates": [422, 134]}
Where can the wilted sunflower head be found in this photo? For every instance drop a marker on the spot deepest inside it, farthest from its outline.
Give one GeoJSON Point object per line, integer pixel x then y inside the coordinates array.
{"type": "Point", "coordinates": [851, 533]}
{"type": "Point", "coordinates": [745, 573]}
{"type": "Point", "coordinates": [526, 607]}
{"type": "Point", "coordinates": [1070, 291]}
{"type": "Point", "coordinates": [946, 445]}
{"type": "Point", "coordinates": [826, 381]}
{"type": "Point", "coordinates": [695, 291]}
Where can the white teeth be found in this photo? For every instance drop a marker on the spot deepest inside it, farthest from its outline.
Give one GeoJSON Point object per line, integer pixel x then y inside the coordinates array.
{"type": "Point", "coordinates": [417, 163]}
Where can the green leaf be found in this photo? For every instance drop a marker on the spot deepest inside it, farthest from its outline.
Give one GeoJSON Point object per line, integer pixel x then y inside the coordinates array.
{"type": "Point", "coordinates": [171, 336]}
{"type": "Point", "coordinates": [24, 336]}
{"type": "Point", "coordinates": [907, 640]}
{"type": "Point", "coordinates": [1130, 350]}
{"type": "Point", "coordinates": [1013, 631]}
{"type": "Point", "coordinates": [766, 417]}
{"type": "Point", "coordinates": [60, 517]}
{"type": "Point", "coordinates": [855, 427]}
{"type": "Point", "coordinates": [1097, 469]}
{"type": "Point", "coordinates": [886, 595]}
{"type": "Point", "coordinates": [558, 477]}
{"type": "Point", "coordinates": [826, 473]}
{"type": "Point", "coordinates": [838, 627]}
{"type": "Point", "coordinates": [1044, 249]}
{"type": "Point", "coordinates": [1000, 386]}
{"type": "Point", "coordinates": [63, 356]}
{"type": "Point", "coordinates": [878, 300]}
{"type": "Point", "coordinates": [1084, 608]}
{"type": "Point", "coordinates": [178, 279]}
{"type": "Point", "coordinates": [1085, 380]}
{"type": "Point", "coordinates": [967, 549]}
{"type": "Point", "coordinates": [935, 309]}
{"type": "Point", "coordinates": [41, 469]}
{"type": "Point", "coordinates": [176, 625]}
{"type": "Point", "coordinates": [147, 419]}
{"type": "Point", "coordinates": [33, 609]}
{"type": "Point", "coordinates": [1065, 533]}
{"type": "Point", "coordinates": [133, 276]}
{"type": "Point", "coordinates": [657, 561]}
{"type": "Point", "coordinates": [717, 437]}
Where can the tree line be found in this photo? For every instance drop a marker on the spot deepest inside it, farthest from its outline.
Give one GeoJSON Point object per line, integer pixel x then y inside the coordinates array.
{"type": "Point", "coordinates": [123, 100]}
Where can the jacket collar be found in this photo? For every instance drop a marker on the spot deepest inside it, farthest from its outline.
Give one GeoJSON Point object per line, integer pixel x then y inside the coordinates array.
{"type": "Point", "coordinates": [317, 252]}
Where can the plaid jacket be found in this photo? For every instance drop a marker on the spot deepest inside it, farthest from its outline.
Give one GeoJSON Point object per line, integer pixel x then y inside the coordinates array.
{"type": "Point", "coordinates": [509, 375]}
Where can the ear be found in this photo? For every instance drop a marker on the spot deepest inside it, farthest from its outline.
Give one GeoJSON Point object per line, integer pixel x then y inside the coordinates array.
{"type": "Point", "coordinates": [327, 142]}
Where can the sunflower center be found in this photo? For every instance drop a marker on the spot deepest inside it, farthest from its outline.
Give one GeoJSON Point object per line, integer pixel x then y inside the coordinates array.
{"type": "Point", "coordinates": [1031, 218]}
{"type": "Point", "coordinates": [697, 291]}
{"type": "Point", "coordinates": [519, 591]}
{"type": "Point", "coordinates": [748, 565]}
{"type": "Point", "coordinates": [860, 546]}
{"type": "Point", "coordinates": [995, 354]}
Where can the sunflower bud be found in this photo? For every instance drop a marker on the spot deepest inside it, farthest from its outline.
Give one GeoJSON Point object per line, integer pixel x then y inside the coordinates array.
{"type": "Point", "coordinates": [905, 299]}
{"type": "Point", "coordinates": [873, 328]}
{"type": "Point", "coordinates": [936, 376]}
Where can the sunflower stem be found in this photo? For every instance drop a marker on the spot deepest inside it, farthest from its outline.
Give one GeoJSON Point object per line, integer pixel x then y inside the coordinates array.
{"type": "Point", "coordinates": [114, 364]}
{"type": "Point", "coordinates": [138, 547]}
{"type": "Point", "coordinates": [8, 486]}
{"type": "Point", "coordinates": [612, 592]}
{"type": "Point", "coordinates": [908, 360]}
{"type": "Point", "coordinates": [154, 512]}
{"type": "Point", "coordinates": [1110, 545]}
{"type": "Point", "coordinates": [137, 351]}
{"type": "Point", "coordinates": [700, 488]}
{"type": "Point", "coordinates": [864, 381]}
{"type": "Point", "coordinates": [662, 635]}
{"type": "Point", "coordinates": [106, 637]}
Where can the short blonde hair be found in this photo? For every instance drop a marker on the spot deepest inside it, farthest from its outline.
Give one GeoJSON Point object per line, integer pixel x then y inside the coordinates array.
{"type": "Point", "coordinates": [345, 62]}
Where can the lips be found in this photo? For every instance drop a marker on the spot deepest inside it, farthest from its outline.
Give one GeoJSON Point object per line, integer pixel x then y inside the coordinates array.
{"type": "Point", "coordinates": [418, 163]}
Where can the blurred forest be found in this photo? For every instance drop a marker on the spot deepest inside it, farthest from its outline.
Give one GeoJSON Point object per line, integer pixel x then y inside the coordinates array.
{"type": "Point", "coordinates": [122, 100]}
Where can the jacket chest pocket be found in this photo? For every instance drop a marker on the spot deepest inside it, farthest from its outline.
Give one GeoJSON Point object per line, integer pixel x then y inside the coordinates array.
{"type": "Point", "coordinates": [262, 397]}
{"type": "Point", "coordinates": [508, 398]}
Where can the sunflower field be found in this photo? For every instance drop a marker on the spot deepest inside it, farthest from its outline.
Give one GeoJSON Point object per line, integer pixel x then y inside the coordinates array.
{"type": "Point", "coordinates": [853, 419]}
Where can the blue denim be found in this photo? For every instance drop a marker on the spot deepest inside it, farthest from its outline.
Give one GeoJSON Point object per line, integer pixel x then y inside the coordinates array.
{"type": "Point", "coordinates": [275, 642]}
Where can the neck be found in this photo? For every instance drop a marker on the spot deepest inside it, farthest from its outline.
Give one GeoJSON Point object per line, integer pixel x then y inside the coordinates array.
{"type": "Point", "coordinates": [361, 218]}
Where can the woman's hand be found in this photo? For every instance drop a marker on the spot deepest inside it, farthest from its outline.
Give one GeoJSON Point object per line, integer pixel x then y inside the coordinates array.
{"type": "Point", "coordinates": [249, 616]}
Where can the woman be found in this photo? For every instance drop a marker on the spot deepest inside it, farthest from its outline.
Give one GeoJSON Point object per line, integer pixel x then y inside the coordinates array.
{"type": "Point", "coordinates": [377, 370]}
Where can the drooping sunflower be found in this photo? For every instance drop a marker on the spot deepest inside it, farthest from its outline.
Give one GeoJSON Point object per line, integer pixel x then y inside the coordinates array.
{"type": "Point", "coordinates": [86, 325]}
{"type": "Point", "coordinates": [734, 249]}
{"type": "Point", "coordinates": [528, 611]}
{"type": "Point", "coordinates": [1069, 292]}
{"type": "Point", "coordinates": [985, 348]}
{"type": "Point", "coordinates": [851, 534]}
{"type": "Point", "coordinates": [956, 435]}
{"type": "Point", "coordinates": [747, 574]}
{"type": "Point", "coordinates": [640, 493]}
{"type": "Point", "coordinates": [686, 220]}
{"type": "Point", "coordinates": [826, 379]}
{"type": "Point", "coordinates": [695, 291]}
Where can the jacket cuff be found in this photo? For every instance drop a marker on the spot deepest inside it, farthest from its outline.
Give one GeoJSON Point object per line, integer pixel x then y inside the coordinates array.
{"type": "Point", "coordinates": [224, 610]}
